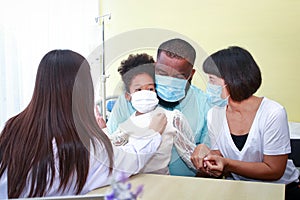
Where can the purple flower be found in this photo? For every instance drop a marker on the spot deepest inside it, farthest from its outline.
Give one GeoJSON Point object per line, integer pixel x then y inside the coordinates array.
{"type": "Point", "coordinates": [139, 190]}
{"type": "Point", "coordinates": [122, 190]}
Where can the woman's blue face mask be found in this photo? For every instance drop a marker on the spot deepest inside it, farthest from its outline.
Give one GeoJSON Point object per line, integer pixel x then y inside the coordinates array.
{"type": "Point", "coordinates": [169, 88]}
{"type": "Point", "coordinates": [214, 93]}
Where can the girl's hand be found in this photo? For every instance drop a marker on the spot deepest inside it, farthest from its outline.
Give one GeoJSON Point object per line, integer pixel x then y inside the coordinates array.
{"type": "Point", "coordinates": [198, 155]}
{"type": "Point", "coordinates": [158, 123]}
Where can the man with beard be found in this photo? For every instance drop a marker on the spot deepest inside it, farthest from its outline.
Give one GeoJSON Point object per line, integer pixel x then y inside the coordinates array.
{"type": "Point", "coordinates": [173, 74]}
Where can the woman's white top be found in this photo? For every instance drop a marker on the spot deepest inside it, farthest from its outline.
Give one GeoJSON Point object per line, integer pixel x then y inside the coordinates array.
{"type": "Point", "coordinates": [268, 135]}
{"type": "Point", "coordinates": [128, 160]}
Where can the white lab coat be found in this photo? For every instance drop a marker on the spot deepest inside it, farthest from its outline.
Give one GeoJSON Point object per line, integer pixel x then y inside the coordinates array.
{"type": "Point", "coordinates": [128, 160]}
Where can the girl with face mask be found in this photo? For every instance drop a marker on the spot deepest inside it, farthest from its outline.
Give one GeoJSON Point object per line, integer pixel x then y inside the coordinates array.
{"type": "Point", "coordinates": [140, 91]}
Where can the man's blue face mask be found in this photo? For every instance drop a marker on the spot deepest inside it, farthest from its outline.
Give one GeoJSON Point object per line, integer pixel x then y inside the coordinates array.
{"type": "Point", "coordinates": [214, 92]}
{"type": "Point", "coordinates": [170, 89]}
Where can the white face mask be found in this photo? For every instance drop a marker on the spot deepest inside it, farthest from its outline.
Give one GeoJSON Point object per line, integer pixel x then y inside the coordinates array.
{"type": "Point", "coordinates": [144, 101]}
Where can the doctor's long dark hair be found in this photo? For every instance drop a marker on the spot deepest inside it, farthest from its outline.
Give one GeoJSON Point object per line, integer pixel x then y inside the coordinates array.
{"type": "Point", "coordinates": [60, 112]}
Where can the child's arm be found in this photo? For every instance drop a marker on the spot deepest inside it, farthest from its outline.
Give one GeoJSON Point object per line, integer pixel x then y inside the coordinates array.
{"type": "Point", "coordinates": [184, 138]}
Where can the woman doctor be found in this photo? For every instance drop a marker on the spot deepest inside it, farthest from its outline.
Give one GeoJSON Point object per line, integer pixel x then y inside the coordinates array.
{"type": "Point", "coordinates": [55, 147]}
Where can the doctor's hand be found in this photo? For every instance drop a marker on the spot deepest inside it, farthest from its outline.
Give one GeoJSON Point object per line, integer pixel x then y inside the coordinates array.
{"type": "Point", "coordinates": [99, 118]}
{"type": "Point", "coordinates": [158, 122]}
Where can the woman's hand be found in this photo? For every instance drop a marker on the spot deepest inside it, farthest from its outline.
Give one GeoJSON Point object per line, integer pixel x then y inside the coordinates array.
{"type": "Point", "coordinates": [99, 118]}
{"type": "Point", "coordinates": [158, 123]}
{"type": "Point", "coordinates": [215, 165]}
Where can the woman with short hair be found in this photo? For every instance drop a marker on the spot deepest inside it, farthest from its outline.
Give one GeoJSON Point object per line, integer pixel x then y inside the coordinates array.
{"type": "Point", "coordinates": [249, 136]}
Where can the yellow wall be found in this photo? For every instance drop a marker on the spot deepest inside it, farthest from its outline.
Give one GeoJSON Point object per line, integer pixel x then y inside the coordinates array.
{"type": "Point", "coordinates": [269, 29]}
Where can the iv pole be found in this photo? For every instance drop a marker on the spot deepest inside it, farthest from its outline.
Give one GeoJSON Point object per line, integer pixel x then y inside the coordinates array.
{"type": "Point", "coordinates": [103, 76]}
